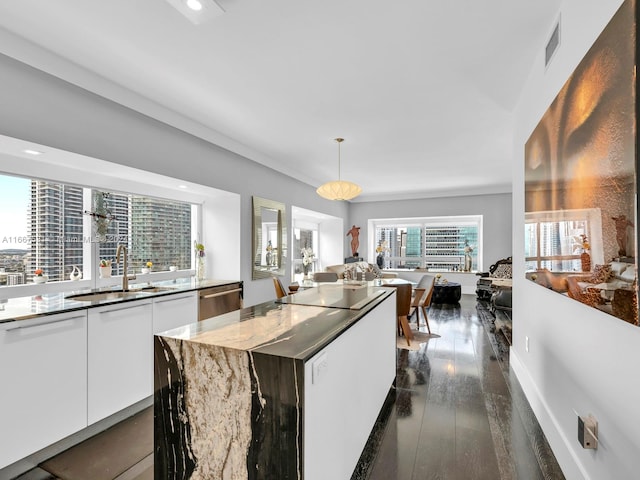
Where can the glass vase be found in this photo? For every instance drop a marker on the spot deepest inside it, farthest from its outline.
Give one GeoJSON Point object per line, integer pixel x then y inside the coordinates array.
{"type": "Point", "coordinates": [200, 268]}
{"type": "Point", "coordinates": [585, 261]}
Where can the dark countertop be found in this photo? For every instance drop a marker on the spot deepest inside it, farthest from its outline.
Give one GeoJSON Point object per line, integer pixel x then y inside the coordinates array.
{"type": "Point", "coordinates": [294, 328]}
{"type": "Point", "coordinates": [24, 308]}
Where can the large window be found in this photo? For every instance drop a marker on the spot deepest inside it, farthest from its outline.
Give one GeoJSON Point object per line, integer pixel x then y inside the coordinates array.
{"type": "Point", "coordinates": [53, 227]}
{"type": "Point", "coordinates": [305, 236]}
{"type": "Point", "coordinates": [555, 240]}
{"type": "Point", "coordinates": [436, 243]}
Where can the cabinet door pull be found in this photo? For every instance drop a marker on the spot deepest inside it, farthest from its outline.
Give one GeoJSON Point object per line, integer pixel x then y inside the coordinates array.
{"type": "Point", "coordinates": [44, 322]}
{"type": "Point", "coordinates": [184, 297]}
{"type": "Point", "coordinates": [226, 292]}
{"type": "Point", "coordinates": [123, 308]}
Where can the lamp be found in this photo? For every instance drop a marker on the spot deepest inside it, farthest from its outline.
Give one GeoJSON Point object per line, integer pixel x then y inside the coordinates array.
{"type": "Point", "coordinates": [339, 189]}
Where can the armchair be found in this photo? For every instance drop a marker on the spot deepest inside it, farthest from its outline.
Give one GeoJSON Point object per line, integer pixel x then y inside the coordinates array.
{"type": "Point", "coordinates": [499, 274]}
{"type": "Point", "coordinates": [365, 268]}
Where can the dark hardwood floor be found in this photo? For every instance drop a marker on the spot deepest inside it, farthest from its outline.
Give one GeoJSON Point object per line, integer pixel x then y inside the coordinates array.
{"type": "Point", "coordinates": [457, 413]}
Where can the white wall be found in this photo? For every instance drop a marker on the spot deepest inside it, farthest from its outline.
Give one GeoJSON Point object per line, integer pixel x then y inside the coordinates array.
{"type": "Point", "coordinates": [44, 109]}
{"type": "Point", "coordinates": [330, 233]}
{"type": "Point", "coordinates": [221, 214]}
{"type": "Point", "coordinates": [579, 360]}
{"type": "Point", "coordinates": [495, 209]}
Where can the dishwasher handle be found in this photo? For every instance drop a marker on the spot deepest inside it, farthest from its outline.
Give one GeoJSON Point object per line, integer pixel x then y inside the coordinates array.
{"type": "Point", "coordinates": [219, 294]}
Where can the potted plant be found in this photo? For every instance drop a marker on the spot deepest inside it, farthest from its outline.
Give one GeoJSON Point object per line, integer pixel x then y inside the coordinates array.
{"type": "Point", "coordinates": [307, 260]}
{"type": "Point", "coordinates": [147, 267]}
{"type": "Point", "coordinates": [105, 268]}
{"type": "Point", "coordinates": [39, 276]}
{"type": "Point", "coordinates": [199, 260]}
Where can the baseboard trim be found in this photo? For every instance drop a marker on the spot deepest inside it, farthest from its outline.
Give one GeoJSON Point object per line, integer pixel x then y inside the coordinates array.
{"type": "Point", "coordinates": [560, 444]}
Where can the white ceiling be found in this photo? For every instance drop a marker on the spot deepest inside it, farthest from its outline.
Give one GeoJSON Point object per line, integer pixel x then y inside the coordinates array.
{"type": "Point", "coordinates": [422, 90]}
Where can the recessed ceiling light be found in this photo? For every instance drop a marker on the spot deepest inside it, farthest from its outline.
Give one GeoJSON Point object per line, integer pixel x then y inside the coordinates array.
{"type": "Point", "coordinates": [194, 5]}
{"type": "Point", "coordinates": [32, 152]}
{"type": "Point", "coordinates": [197, 11]}
{"type": "Point", "coordinates": [182, 186]}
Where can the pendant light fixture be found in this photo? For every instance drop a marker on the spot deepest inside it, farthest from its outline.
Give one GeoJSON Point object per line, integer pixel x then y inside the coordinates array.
{"type": "Point", "coordinates": [339, 189]}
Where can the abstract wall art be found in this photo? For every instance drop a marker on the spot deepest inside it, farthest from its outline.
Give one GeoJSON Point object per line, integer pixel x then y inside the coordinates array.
{"type": "Point", "coordinates": [581, 179]}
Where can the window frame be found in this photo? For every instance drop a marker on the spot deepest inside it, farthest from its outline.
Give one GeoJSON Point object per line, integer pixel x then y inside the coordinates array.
{"type": "Point", "coordinates": [296, 258]}
{"type": "Point", "coordinates": [593, 219]}
{"type": "Point", "coordinates": [91, 249]}
{"type": "Point", "coordinates": [423, 223]}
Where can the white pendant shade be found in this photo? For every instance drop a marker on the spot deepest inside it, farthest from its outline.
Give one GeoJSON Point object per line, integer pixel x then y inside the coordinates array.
{"type": "Point", "coordinates": [339, 189]}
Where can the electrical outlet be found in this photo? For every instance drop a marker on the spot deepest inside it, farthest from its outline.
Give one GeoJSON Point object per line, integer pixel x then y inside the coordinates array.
{"type": "Point", "coordinates": [526, 343]}
{"type": "Point", "coordinates": [588, 432]}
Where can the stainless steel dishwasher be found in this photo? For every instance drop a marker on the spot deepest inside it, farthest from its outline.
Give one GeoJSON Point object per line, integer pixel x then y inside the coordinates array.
{"type": "Point", "coordinates": [220, 299]}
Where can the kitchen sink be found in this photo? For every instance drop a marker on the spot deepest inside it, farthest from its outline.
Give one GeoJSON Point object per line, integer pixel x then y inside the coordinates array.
{"type": "Point", "coordinates": [153, 289]}
{"type": "Point", "coordinates": [96, 297]}
{"type": "Point", "coordinates": [117, 294]}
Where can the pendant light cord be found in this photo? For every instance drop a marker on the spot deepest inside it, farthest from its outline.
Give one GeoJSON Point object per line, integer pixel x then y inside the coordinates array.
{"type": "Point", "coordinates": [339, 140]}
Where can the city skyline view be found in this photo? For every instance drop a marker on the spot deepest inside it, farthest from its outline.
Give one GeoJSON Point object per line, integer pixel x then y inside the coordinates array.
{"type": "Point", "coordinates": [15, 197]}
{"type": "Point", "coordinates": [46, 228]}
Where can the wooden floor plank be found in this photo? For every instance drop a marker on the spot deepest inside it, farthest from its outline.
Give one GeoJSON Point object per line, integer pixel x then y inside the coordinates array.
{"type": "Point", "coordinates": [459, 413]}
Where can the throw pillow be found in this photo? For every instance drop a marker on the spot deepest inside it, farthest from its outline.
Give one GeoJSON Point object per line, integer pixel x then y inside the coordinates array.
{"type": "Point", "coordinates": [618, 267]}
{"type": "Point", "coordinates": [601, 273]}
{"type": "Point", "coordinates": [629, 275]}
{"type": "Point", "coordinates": [362, 266]}
{"type": "Point", "coordinates": [376, 271]}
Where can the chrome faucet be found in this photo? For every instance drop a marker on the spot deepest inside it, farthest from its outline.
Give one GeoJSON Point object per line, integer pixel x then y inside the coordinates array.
{"type": "Point", "coordinates": [125, 277]}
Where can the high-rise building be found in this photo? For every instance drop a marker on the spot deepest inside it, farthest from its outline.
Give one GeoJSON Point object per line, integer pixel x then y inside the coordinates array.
{"type": "Point", "coordinates": [160, 232]}
{"type": "Point", "coordinates": [154, 230]}
{"type": "Point", "coordinates": [55, 229]}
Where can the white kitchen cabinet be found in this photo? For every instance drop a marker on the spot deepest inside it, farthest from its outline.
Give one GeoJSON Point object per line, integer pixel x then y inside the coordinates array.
{"type": "Point", "coordinates": [120, 357]}
{"type": "Point", "coordinates": [43, 379]}
{"type": "Point", "coordinates": [172, 311]}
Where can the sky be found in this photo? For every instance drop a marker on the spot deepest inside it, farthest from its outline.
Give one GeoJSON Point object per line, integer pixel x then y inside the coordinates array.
{"type": "Point", "coordinates": [14, 203]}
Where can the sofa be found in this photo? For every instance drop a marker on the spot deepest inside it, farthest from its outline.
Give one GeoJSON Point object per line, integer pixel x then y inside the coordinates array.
{"type": "Point", "coordinates": [613, 283]}
{"type": "Point", "coordinates": [361, 267]}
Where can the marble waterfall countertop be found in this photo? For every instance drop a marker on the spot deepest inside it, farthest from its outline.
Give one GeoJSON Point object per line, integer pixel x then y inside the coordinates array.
{"type": "Point", "coordinates": [296, 326]}
{"type": "Point", "coordinates": [232, 392]}
{"type": "Point", "coordinates": [24, 308]}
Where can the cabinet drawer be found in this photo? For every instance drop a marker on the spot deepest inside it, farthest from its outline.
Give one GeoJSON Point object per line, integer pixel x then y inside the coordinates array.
{"type": "Point", "coordinates": [43, 367]}
{"type": "Point", "coordinates": [120, 357]}
{"type": "Point", "coordinates": [173, 311]}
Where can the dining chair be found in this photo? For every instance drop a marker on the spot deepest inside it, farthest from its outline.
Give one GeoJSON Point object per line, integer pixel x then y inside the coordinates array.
{"type": "Point", "coordinates": [403, 306]}
{"type": "Point", "coordinates": [416, 303]}
{"type": "Point", "coordinates": [427, 284]}
{"type": "Point", "coordinates": [280, 291]}
{"type": "Point", "coordinates": [325, 277]}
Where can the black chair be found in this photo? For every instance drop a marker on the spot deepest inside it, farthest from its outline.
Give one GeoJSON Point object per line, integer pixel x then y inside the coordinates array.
{"type": "Point", "coordinates": [484, 285]}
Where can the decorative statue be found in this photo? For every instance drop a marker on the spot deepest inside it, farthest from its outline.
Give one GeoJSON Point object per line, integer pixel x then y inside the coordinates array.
{"type": "Point", "coordinates": [355, 243]}
{"type": "Point", "coordinates": [621, 233]}
{"type": "Point", "coordinates": [468, 261]}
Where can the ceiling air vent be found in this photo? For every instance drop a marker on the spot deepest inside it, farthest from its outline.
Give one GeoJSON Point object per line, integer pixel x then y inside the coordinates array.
{"type": "Point", "coordinates": [552, 44]}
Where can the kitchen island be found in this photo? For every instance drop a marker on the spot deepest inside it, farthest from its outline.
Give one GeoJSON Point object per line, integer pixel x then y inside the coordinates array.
{"type": "Point", "coordinates": [286, 389]}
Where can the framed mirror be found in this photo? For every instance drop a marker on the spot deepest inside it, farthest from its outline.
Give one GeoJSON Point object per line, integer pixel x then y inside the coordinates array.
{"type": "Point", "coordinates": [269, 245]}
